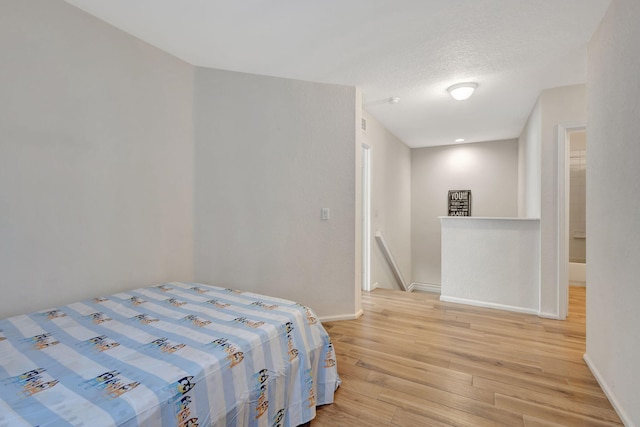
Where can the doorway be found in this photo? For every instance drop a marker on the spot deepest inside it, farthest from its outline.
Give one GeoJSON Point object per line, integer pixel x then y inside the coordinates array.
{"type": "Point", "coordinates": [577, 208]}
{"type": "Point", "coordinates": [564, 169]}
{"type": "Point", "coordinates": [366, 217]}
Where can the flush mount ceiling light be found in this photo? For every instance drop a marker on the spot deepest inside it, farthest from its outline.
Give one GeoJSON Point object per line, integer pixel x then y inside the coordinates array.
{"type": "Point", "coordinates": [462, 91]}
{"type": "Point", "coordinates": [394, 100]}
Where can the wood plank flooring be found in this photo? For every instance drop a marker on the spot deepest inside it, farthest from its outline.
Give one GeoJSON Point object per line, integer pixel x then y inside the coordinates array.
{"type": "Point", "coordinates": [412, 360]}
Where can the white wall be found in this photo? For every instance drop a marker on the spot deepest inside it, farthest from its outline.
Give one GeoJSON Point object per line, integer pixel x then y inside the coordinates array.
{"type": "Point", "coordinates": [390, 202]}
{"type": "Point", "coordinates": [529, 168]}
{"type": "Point", "coordinates": [488, 169]}
{"type": "Point", "coordinates": [97, 170]}
{"type": "Point", "coordinates": [563, 105]}
{"type": "Point", "coordinates": [491, 262]}
{"type": "Point", "coordinates": [270, 153]}
{"type": "Point", "coordinates": [96, 159]}
{"type": "Point", "coordinates": [613, 208]}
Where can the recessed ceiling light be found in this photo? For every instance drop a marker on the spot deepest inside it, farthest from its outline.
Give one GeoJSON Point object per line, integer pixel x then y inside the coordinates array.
{"type": "Point", "coordinates": [462, 91]}
{"type": "Point", "coordinates": [460, 140]}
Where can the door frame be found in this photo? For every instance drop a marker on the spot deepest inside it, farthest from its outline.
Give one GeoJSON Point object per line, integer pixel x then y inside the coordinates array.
{"type": "Point", "coordinates": [366, 217]}
{"type": "Point", "coordinates": [563, 214]}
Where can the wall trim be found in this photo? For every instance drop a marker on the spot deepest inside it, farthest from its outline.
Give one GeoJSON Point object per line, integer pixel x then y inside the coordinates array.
{"type": "Point", "coordinates": [425, 287]}
{"type": "Point", "coordinates": [488, 305]}
{"type": "Point", "coordinates": [546, 315]}
{"type": "Point", "coordinates": [386, 251]}
{"type": "Point", "coordinates": [338, 317]}
{"type": "Point", "coordinates": [624, 417]}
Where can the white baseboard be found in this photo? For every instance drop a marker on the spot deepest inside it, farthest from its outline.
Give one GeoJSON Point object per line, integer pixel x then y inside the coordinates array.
{"type": "Point", "coordinates": [375, 286]}
{"type": "Point", "coordinates": [488, 305]}
{"type": "Point", "coordinates": [337, 317]}
{"type": "Point", "coordinates": [624, 417]}
{"type": "Point", "coordinates": [424, 287]}
{"type": "Point", "coordinates": [553, 316]}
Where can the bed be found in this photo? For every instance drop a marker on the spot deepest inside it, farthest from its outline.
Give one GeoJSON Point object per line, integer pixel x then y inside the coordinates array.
{"type": "Point", "coordinates": [176, 354]}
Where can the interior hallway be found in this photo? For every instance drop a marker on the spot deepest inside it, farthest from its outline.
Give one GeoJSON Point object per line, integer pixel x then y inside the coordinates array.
{"type": "Point", "coordinates": [412, 360]}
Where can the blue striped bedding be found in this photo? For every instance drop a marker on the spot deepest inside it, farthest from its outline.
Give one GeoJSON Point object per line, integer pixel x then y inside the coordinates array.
{"type": "Point", "coordinates": [178, 354]}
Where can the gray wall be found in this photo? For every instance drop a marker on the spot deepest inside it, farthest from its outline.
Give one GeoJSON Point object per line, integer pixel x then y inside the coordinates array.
{"type": "Point", "coordinates": [96, 159]}
{"type": "Point", "coordinates": [390, 202]}
{"type": "Point", "coordinates": [270, 153]}
{"type": "Point", "coordinates": [488, 169]}
{"type": "Point", "coordinates": [613, 208]}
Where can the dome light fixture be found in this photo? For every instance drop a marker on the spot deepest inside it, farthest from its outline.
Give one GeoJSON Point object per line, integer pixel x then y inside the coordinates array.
{"type": "Point", "coordinates": [462, 91]}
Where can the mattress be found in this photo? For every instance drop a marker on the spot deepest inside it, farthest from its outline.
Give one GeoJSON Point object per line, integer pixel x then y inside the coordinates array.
{"type": "Point", "coordinates": [177, 354]}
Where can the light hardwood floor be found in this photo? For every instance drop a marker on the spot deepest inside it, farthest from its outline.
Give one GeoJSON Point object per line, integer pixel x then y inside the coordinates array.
{"type": "Point", "coordinates": [412, 360]}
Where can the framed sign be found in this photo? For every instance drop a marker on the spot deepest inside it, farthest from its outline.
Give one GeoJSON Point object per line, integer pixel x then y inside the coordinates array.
{"type": "Point", "coordinates": [459, 202]}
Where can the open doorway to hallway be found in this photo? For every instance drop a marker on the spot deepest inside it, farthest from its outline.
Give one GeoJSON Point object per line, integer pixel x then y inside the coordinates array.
{"type": "Point", "coordinates": [567, 235]}
{"type": "Point", "coordinates": [366, 218]}
{"type": "Point", "coordinates": [577, 208]}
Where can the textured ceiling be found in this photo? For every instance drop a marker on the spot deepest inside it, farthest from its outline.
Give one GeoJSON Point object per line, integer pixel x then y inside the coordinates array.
{"type": "Point", "coordinates": [413, 49]}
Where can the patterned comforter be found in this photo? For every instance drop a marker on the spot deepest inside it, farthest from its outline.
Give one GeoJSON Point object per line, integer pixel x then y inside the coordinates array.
{"type": "Point", "coordinates": [178, 354]}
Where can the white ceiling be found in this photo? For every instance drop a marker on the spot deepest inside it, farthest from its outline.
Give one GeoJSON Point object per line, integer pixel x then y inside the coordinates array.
{"type": "Point", "coordinates": [413, 49]}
